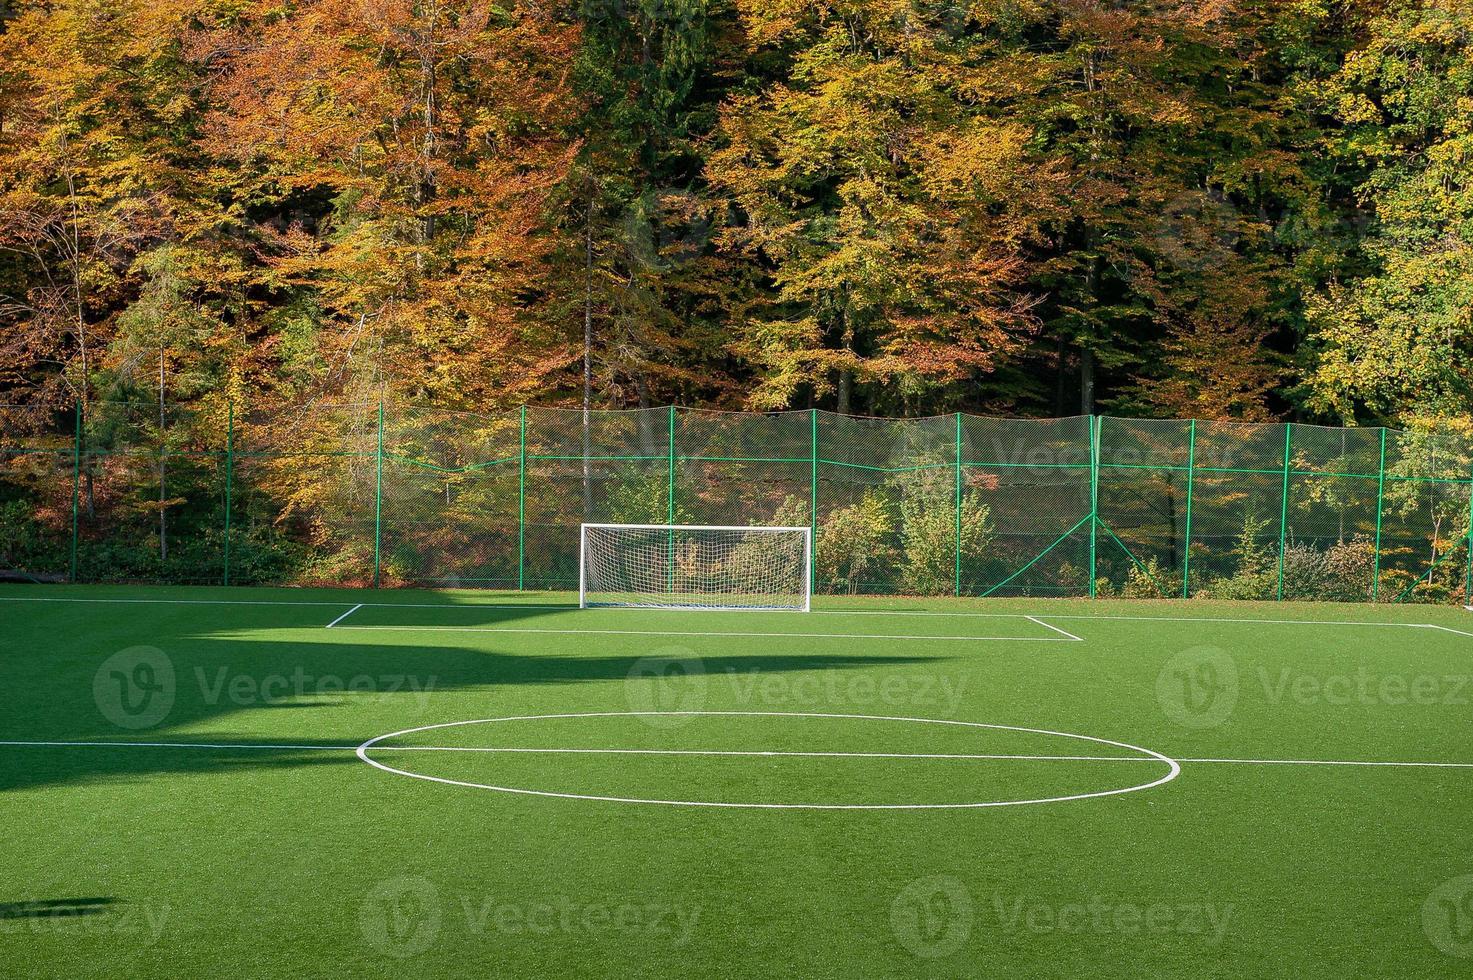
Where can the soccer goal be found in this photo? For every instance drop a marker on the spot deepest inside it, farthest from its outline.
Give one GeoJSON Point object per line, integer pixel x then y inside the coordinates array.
{"type": "Point", "coordinates": [665, 566]}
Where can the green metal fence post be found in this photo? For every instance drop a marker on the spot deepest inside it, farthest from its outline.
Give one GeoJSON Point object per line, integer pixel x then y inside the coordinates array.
{"type": "Point", "coordinates": [670, 511]}
{"type": "Point", "coordinates": [1186, 558]}
{"type": "Point", "coordinates": [1380, 498]}
{"type": "Point", "coordinates": [1284, 509]}
{"type": "Point", "coordinates": [229, 478]}
{"type": "Point", "coordinates": [1468, 575]}
{"type": "Point", "coordinates": [76, 484]}
{"type": "Point", "coordinates": [958, 503]}
{"type": "Point", "coordinates": [378, 495]}
{"type": "Point", "coordinates": [522, 499]}
{"type": "Point", "coordinates": [670, 497]}
{"type": "Point", "coordinates": [1094, 498]}
{"type": "Point", "coordinates": [812, 494]}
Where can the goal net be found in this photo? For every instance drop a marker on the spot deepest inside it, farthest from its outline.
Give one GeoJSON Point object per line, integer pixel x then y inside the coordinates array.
{"type": "Point", "coordinates": [694, 567]}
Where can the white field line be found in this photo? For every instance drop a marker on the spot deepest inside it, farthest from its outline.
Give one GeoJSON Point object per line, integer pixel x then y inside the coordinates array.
{"type": "Point", "coordinates": [1054, 628]}
{"type": "Point", "coordinates": [174, 602]}
{"type": "Point", "coordinates": [1335, 762]}
{"type": "Point", "coordinates": [228, 746]}
{"type": "Point", "coordinates": [538, 750]}
{"type": "Point", "coordinates": [343, 616]}
{"type": "Point", "coordinates": [513, 607]}
{"type": "Point", "coordinates": [234, 746]}
{"type": "Point", "coordinates": [1447, 629]}
{"type": "Point", "coordinates": [715, 633]}
{"type": "Point", "coordinates": [1224, 619]}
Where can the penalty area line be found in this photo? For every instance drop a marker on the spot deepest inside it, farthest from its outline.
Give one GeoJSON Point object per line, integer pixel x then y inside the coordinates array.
{"type": "Point", "coordinates": [1035, 619]}
{"type": "Point", "coordinates": [343, 616]}
{"type": "Point", "coordinates": [719, 633]}
{"type": "Point", "coordinates": [1445, 629]}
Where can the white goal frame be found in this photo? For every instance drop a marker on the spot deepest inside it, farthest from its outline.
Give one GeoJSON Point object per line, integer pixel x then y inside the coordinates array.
{"type": "Point", "coordinates": [805, 531]}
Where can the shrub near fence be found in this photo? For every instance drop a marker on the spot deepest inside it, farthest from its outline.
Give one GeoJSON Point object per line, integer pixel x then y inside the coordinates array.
{"type": "Point", "coordinates": [365, 494]}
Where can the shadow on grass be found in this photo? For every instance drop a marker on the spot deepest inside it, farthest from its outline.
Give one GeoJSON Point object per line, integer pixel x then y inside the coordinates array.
{"type": "Point", "coordinates": [172, 673]}
{"type": "Point", "coordinates": [55, 908]}
{"type": "Point", "coordinates": [29, 767]}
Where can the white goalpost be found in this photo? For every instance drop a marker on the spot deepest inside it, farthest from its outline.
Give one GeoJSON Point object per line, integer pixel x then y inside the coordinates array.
{"type": "Point", "coordinates": [688, 566]}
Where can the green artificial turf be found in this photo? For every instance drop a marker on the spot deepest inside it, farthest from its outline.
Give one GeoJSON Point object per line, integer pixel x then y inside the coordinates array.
{"type": "Point", "coordinates": [277, 852]}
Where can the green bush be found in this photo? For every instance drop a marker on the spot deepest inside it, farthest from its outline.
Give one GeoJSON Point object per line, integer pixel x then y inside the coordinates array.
{"type": "Point", "coordinates": [1342, 573]}
{"type": "Point", "coordinates": [928, 534]}
{"type": "Point", "coordinates": [1256, 576]}
{"type": "Point", "coordinates": [261, 555]}
{"type": "Point", "coordinates": [854, 544]}
{"type": "Point", "coordinates": [639, 498]}
{"type": "Point", "coordinates": [258, 556]}
{"type": "Point", "coordinates": [27, 544]}
{"type": "Point", "coordinates": [1145, 582]}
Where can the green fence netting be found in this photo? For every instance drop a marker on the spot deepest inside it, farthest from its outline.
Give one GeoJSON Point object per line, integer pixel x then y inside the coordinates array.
{"type": "Point", "coordinates": [370, 493]}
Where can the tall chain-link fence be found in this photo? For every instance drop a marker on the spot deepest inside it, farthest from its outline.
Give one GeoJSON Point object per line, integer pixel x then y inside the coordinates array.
{"type": "Point", "coordinates": [373, 494]}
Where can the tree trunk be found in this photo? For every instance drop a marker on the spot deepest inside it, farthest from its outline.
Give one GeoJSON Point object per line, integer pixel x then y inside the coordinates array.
{"type": "Point", "coordinates": [845, 393]}
{"type": "Point", "coordinates": [1060, 360]}
{"type": "Point", "coordinates": [1086, 353]}
{"type": "Point", "coordinates": [1086, 381]}
{"type": "Point", "coordinates": [163, 475]}
{"type": "Point", "coordinates": [646, 428]}
{"type": "Point", "coordinates": [587, 357]}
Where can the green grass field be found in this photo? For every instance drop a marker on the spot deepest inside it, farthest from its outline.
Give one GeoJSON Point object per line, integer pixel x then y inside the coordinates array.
{"type": "Point", "coordinates": [877, 788]}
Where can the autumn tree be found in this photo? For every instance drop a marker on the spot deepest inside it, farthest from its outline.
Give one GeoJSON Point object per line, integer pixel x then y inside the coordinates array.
{"type": "Point", "coordinates": [390, 164]}
{"type": "Point", "coordinates": [1159, 259]}
{"type": "Point", "coordinates": [885, 210]}
{"type": "Point", "coordinates": [641, 277]}
{"type": "Point", "coordinates": [96, 119]}
{"type": "Point", "coordinates": [1396, 342]}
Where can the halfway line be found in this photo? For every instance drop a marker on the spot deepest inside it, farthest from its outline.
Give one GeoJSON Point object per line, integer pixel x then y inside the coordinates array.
{"type": "Point", "coordinates": [231, 746]}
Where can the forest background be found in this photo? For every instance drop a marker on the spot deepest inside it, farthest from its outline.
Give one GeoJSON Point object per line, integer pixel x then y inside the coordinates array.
{"type": "Point", "coordinates": [227, 223]}
{"type": "Point", "coordinates": [1221, 209]}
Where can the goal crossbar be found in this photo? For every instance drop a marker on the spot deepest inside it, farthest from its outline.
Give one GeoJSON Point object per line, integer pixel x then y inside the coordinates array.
{"type": "Point", "coordinates": [695, 566]}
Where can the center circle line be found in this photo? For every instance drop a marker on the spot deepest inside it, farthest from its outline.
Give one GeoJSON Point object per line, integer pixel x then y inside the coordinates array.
{"type": "Point", "coordinates": [1173, 767]}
